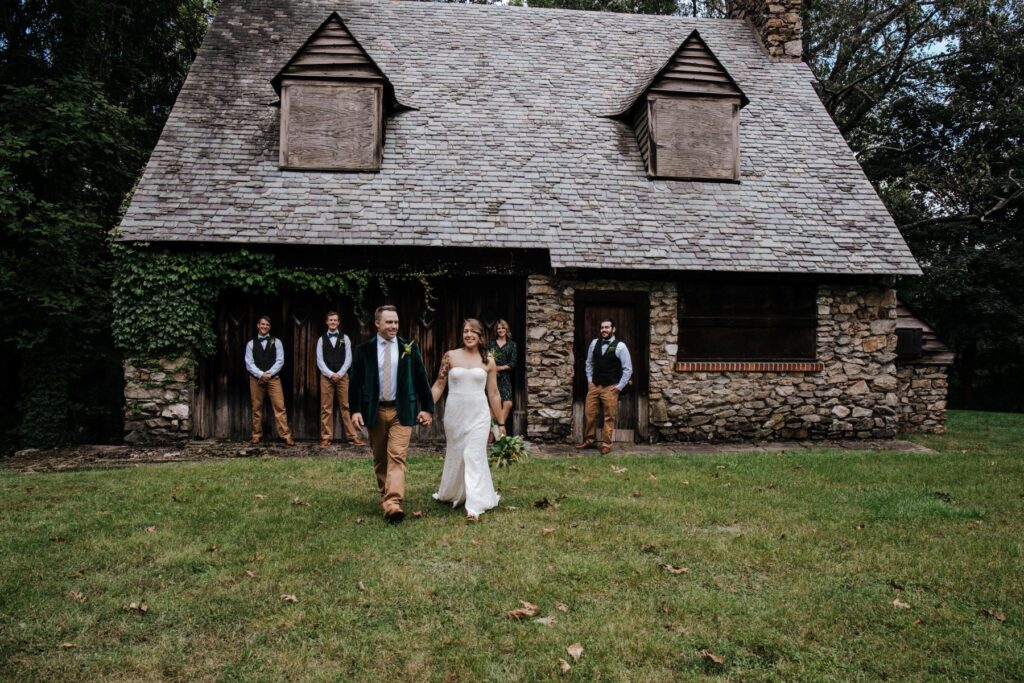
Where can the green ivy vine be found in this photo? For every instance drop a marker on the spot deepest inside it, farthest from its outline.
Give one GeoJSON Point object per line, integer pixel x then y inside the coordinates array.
{"type": "Point", "coordinates": [165, 301]}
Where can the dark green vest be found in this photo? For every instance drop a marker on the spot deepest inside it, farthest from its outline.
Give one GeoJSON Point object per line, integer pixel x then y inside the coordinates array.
{"type": "Point", "coordinates": [334, 356]}
{"type": "Point", "coordinates": [607, 366]}
{"type": "Point", "coordinates": [262, 358]}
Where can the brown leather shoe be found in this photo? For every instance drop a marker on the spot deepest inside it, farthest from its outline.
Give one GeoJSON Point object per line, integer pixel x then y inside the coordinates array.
{"type": "Point", "coordinates": [605, 450]}
{"type": "Point", "coordinates": [255, 440]}
{"type": "Point", "coordinates": [357, 442]}
{"type": "Point", "coordinates": [324, 443]}
{"type": "Point", "coordinates": [394, 515]}
{"type": "Point", "coordinates": [586, 444]}
{"type": "Point", "coordinates": [289, 441]}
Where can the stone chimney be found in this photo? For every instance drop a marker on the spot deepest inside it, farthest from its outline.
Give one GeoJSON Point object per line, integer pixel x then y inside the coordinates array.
{"type": "Point", "coordinates": [777, 22]}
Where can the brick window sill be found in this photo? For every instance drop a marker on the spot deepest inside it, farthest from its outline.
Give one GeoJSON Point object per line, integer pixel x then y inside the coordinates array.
{"type": "Point", "coordinates": [706, 366]}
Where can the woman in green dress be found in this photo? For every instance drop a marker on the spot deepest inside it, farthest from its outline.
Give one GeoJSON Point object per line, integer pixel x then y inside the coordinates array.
{"type": "Point", "coordinates": [505, 353]}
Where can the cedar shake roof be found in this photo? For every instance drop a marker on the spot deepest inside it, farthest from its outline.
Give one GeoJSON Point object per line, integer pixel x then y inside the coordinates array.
{"type": "Point", "coordinates": [509, 144]}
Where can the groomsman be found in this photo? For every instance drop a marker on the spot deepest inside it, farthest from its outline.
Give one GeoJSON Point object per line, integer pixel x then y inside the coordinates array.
{"type": "Point", "coordinates": [609, 368]}
{"type": "Point", "coordinates": [333, 358]}
{"type": "Point", "coordinates": [264, 358]}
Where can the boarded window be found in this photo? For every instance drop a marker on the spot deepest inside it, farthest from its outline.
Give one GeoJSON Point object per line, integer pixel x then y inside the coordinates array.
{"type": "Point", "coordinates": [909, 343]}
{"type": "Point", "coordinates": [752, 320]}
{"type": "Point", "coordinates": [332, 127]}
{"type": "Point", "coordinates": [695, 137]}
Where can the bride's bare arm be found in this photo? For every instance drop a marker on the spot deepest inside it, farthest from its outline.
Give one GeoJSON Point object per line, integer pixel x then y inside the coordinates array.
{"type": "Point", "coordinates": [442, 378]}
{"type": "Point", "coordinates": [493, 395]}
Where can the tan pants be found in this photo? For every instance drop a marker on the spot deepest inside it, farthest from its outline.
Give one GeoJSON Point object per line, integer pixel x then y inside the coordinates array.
{"type": "Point", "coordinates": [389, 441]}
{"type": "Point", "coordinates": [328, 392]}
{"type": "Point", "coordinates": [258, 391]}
{"type": "Point", "coordinates": [598, 398]}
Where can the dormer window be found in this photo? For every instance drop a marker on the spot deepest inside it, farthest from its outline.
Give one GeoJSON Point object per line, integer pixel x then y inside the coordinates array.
{"type": "Point", "coordinates": [334, 101]}
{"type": "Point", "coordinates": [687, 119]}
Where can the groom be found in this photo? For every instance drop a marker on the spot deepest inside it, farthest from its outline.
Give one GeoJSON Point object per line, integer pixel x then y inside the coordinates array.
{"type": "Point", "coordinates": [388, 379]}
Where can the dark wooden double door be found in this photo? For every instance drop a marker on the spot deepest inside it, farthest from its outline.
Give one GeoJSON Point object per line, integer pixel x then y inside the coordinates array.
{"type": "Point", "coordinates": [223, 407]}
{"type": "Point", "coordinates": [631, 313]}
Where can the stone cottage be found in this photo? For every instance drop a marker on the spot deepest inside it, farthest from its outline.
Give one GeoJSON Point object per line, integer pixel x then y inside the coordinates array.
{"type": "Point", "coordinates": [551, 168]}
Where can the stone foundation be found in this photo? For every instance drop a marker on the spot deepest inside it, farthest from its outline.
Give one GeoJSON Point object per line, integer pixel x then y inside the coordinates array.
{"type": "Point", "coordinates": [158, 399]}
{"type": "Point", "coordinates": [922, 395]}
{"type": "Point", "coordinates": [853, 395]}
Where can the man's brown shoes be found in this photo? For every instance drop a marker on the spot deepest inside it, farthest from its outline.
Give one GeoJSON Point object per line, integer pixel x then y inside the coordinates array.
{"type": "Point", "coordinates": [288, 441]}
{"type": "Point", "coordinates": [357, 442]}
{"type": "Point", "coordinates": [586, 444]}
{"type": "Point", "coordinates": [394, 515]}
{"type": "Point", "coordinates": [324, 443]}
{"type": "Point", "coordinates": [605, 450]}
{"type": "Point", "coordinates": [256, 440]}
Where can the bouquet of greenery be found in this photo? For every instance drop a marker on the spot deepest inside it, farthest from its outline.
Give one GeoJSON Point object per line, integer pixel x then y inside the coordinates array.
{"type": "Point", "coordinates": [507, 450]}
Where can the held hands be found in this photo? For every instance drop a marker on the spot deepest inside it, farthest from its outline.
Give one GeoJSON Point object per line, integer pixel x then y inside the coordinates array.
{"type": "Point", "coordinates": [335, 378]}
{"type": "Point", "coordinates": [424, 418]}
{"type": "Point", "coordinates": [265, 377]}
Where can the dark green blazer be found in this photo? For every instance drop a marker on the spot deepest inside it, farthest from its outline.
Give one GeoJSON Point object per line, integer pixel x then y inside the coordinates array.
{"type": "Point", "coordinates": [412, 386]}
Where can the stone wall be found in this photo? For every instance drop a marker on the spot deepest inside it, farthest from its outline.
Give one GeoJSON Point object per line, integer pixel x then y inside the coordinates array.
{"type": "Point", "coordinates": [158, 400]}
{"type": "Point", "coordinates": [777, 22]}
{"type": "Point", "coordinates": [854, 394]}
{"type": "Point", "coordinates": [922, 395]}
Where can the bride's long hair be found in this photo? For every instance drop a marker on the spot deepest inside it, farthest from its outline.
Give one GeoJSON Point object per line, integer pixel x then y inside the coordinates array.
{"type": "Point", "coordinates": [474, 325]}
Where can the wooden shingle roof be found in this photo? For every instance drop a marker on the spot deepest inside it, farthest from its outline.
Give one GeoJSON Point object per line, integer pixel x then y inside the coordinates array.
{"type": "Point", "coordinates": [508, 144]}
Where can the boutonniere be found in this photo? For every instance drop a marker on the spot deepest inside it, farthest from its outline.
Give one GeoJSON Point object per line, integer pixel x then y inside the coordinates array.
{"type": "Point", "coordinates": [406, 349]}
{"type": "Point", "coordinates": [270, 344]}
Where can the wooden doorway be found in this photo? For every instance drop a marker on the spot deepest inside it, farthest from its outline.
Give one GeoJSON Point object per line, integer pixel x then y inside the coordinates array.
{"type": "Point", "coordinates": [222, 405]}
{"type": "Point", "coordinates": [631, 313]}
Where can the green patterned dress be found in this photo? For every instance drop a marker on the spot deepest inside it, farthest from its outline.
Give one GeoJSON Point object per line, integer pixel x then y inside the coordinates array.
{"type": "Point", "coordinates": [505, 355]}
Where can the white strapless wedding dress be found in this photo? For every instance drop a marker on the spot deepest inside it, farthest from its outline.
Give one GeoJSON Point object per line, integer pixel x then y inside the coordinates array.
{"type": "Point", "coordinates": [466, 477]}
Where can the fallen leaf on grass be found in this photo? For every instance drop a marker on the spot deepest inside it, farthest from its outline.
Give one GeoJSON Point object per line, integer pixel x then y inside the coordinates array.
{"type": "Point", "coordinates": [998, 616]}
{"type": "Point", "coordinates": [573, 468]}
{"type": "Point", "coordinates": [618, 470]}
{"type": "Point", "coordinates": [712, 657]}
{"type": "Point", "coordinates": [545, 504]}
{"type": "Point", "coordinates": [260, 496]}
{"type": "Point", "coordinates": [564, 666]}
{"type": "Point", "coordinates": [635, 494]}
{"type": "Point", "coordinates": [66, 646]}
{"type": "Point", "coordinates": [299, 501]}
{"type": "Point", "coordinates": [151, 529]}
{"type": "Point", "coordinates": [359, 520]}
{"type": "Point", "coordinates": [418, 513]}
{"type": "Point", "coordinates": [139, 607]}
{"type": "Point", "coordinates": [77, 596]}
{"type": "Point", "coordinates": [251, 574]}
{"type": "Point", "coordinates": [894, 585]}
{"type": "Point", "coordinates": [289, 598]}
{"type": "Point", "coordinates": [575, 651]}
{"type": "Point", "coordinates": [361, 586]}
{"type": "Point", "coordinates": [651, 477]}
{"type": "Point", "coordinates": [899, 604]}
{"type": "Point", "coordinates": [562, 607]}
{"type": "Point", "coordinates": [213, 549]}
{"type": "Point", "coordinates": [675, 570]}
{"type": "Point", "coordinates": [30, 489]}
{"type": "Point", "coordinates": [528, 609]}
{"type": "Point", "coordinates": [546, 621]}
{"type": "Point", "coordinates": [546, 531]}
{"type": "Point", "coordinates": [59, 540]}
{"type": "Point", "coordinates": [474, 542]}
{"type": "Point", "coordinates": [917, 622]}
{"type": "Point", "coordinates": [664, 607]}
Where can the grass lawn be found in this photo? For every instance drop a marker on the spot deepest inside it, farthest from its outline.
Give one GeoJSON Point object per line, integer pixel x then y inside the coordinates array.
{"type": "Point", "coordinates": [799, 568]}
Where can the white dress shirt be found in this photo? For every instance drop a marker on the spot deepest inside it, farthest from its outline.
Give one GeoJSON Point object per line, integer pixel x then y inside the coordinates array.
{"type": "Point", "coordinates": [385, 346]}
{"type": "Point", "coordinates": [326, 371]}
{"type": "Point", "coordinates": [622, 353]}
{"type": "Point", "coordinates": [250, 364]}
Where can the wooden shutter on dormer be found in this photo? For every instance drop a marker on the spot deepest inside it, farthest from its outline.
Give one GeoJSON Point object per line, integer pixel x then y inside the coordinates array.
{"type": "Point", "coordinates": [687, 119]}
{"type": "Point", "coordinates": [333, 104]}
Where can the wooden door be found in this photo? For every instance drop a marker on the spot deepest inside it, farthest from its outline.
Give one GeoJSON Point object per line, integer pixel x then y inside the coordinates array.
{"type": "Point", "coordinates": [631, 313]}
{"type": "Point", "coordinates": [222, 406]}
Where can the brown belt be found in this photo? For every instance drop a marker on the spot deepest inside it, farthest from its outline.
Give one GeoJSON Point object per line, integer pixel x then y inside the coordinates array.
{"type": "Point", "coordinates": [385, 404]}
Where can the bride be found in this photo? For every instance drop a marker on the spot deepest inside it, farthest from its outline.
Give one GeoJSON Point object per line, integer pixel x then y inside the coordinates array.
{"type": "Point", "coordinates": [466, 477]}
